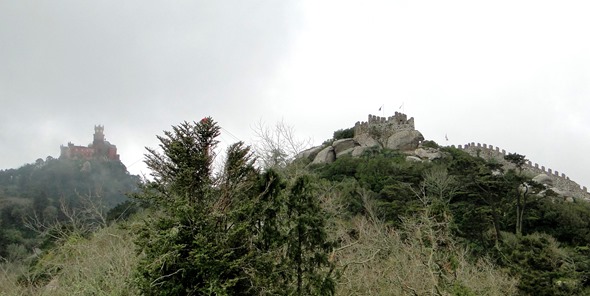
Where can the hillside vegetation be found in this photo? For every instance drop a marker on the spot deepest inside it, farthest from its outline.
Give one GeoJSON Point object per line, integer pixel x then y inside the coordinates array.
{"type": "Point", "coordinates": [371, 225]}
{"type": "Point", "coordinates": [37, 198]}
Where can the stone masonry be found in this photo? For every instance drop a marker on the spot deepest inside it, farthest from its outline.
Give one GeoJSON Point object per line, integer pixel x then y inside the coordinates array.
{"type": "Point", "coordinates": [560, 180]}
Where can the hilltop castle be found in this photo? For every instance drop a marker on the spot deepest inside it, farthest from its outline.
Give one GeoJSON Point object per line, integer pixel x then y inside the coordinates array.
{"type": "Point", "coordinates": [394, 132]}
{"type": "Point", "coordinates": [99, 149]}
{"type": "Point", "coordinates": [397, 122]}
{"type": "Point", "coordinates": [398, 132]}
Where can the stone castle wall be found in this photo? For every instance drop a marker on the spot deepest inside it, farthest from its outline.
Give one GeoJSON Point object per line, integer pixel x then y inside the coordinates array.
{"type": "Point", "coordinates": [560, 180]}
{"type": "Point", "coordinates": [384, 126]}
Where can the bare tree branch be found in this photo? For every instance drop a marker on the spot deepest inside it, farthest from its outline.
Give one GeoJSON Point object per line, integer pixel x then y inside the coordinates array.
{"type": "Point", "coordinates": [277, 145]}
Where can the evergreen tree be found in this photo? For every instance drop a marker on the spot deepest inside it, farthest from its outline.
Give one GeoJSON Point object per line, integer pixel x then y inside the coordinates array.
{"type": "Point", "coordinates": [308, 245]}
{"type": "Point", "coordinates": [227, 234]}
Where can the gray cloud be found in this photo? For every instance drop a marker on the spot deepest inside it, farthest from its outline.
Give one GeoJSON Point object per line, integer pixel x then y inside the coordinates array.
{"type": "Point", "coordinates": [515, 75]}
{"type": "Point", "coordinates": [136, 67]}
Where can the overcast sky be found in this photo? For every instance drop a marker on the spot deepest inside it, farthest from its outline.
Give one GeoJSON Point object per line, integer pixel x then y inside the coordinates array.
{"type": "Point", "coordinates": [514, 74]}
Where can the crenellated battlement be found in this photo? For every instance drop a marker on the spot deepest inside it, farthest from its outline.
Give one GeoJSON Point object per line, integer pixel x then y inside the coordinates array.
{"type": "Point", "coordinates": [387, 125]}
{"type": "Point", "coordinates": [560, 180]}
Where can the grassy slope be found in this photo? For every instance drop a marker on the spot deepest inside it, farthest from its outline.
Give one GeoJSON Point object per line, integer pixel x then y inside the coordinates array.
{"type": "Point", "coordinates": [100, 265]}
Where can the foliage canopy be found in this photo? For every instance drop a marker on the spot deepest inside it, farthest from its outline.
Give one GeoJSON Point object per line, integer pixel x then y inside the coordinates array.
{"type": "Point", "coordinates": [241, 232]}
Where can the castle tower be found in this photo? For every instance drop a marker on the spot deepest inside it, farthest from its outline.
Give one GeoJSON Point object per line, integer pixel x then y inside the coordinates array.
{"type": "Point", "coordinates": [99, 149]}
{"type": "Point", "coordinates": [98, 135]}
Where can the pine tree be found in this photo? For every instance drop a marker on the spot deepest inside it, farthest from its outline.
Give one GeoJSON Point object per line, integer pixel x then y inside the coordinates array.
{"type": "Point", "coordinates": [308, 245]}
{"type": "Point", "coordinates": [230, 234]}
{"type": "Point", "coordinates": [193, 243]}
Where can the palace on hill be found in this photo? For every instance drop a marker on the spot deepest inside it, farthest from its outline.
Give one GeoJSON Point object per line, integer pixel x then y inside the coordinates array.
{"type": "Point", "coordinates": [99, 149]}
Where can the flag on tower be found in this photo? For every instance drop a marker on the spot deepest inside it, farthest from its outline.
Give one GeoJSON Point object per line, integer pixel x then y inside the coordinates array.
{"type": "Point", "coordinates": [380, 107]}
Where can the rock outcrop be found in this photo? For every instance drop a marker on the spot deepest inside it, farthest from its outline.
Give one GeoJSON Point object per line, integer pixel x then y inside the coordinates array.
{"type": "Point", "coordinates": [543, 179]}
{"type": "Point", "coordinates": [412, 158]}
{"type": "Point", "coordinates": [310, 153]}
{"type": "Point", "coordinates": [366, 140]}
{"type": "Point", "coordinates": [344, 146]}
{"type": "Point", "coordinates": [547, 182]}
{"type": "Point", "coordinates": [359, 150]}
{"type": "Point", "coordinates": [396, 132]}
{"type": "Point", "coordinates": [327, 155]}
{"type": "Point", "coordinates": [330, 153]}
{"type": "Point", "coordinates": [428, 153]}
{"type": "Point", "coordinates": [405, 140]}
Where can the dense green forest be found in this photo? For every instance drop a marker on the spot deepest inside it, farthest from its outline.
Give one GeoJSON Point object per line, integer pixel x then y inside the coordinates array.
{"type": "Point", "coordinates": [479, 201]}
{"type": "Point", "coordinates": [38, 197]}
{"type": "Point", "coordinates": [377, 224]}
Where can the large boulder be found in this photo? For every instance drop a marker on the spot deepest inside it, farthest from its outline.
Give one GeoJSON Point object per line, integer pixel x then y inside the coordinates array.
{"type": "Point", "coordinates": [366, 140]}
{"type": "Point", "coordinates": [411, 158]}
{"type": "Point", "coordinates": [359, 150]}
{"type": "Point", "coordinates": [543, 179]}
{"type": "Point", "coordinates": [405, 140]}
{"type": "Point", "coordinates": [428, 153]}
{"type": "Point", "coordinates": [310, 153]}
{"type": "Point", "coordinates": [327, 155]}
{"type": "Point", "coordinates": [345, 152]}
{"type": "Point", "coordinates": [565, 195]}
{"type": "Point", "coordinates": [343, 145]}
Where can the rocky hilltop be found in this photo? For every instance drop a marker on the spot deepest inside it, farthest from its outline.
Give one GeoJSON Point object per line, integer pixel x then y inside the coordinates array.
{"type": "Point", "coordinates": [395, 132]}
{"type": "Point", "coordinates": [399, 133]}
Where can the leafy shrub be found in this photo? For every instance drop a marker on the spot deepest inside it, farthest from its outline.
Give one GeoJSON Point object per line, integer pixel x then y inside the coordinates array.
{"type": "Point", "coordinates": [343, 133]}
{"type": "Point", "coordinates": [342, 168]}
{"type": "Point", "coordinates": [567, 222]}
{"type": "Point", "coordinates": [430, 144]}
{"type": "Point", "coordinates": [541, 264]}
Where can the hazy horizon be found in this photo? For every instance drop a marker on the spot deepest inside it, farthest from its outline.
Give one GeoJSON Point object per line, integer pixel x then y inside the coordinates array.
{"type": "Point", "coordinates": [511, 74]}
